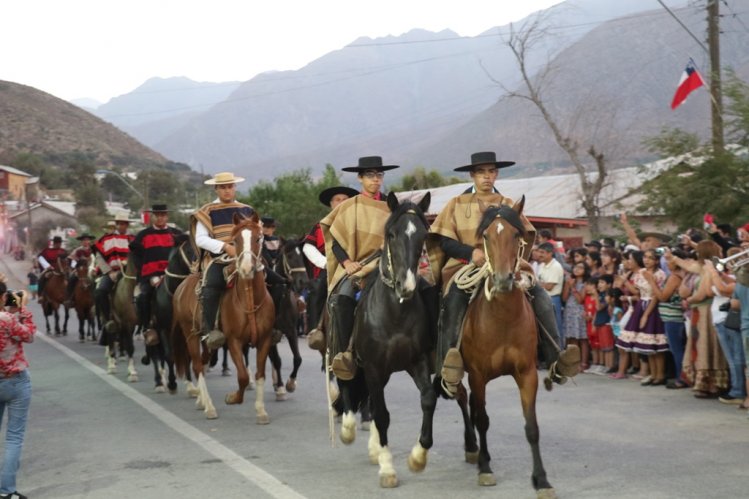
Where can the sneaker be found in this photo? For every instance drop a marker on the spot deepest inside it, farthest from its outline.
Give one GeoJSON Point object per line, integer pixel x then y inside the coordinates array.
{"type": "Point", "coordinates": [646, 381]}
{"type": "Point", "coordinates": [601, 370]}
{"type": "Point", "coordinates": [727, 399]}
{"type": "Point", "coordinates": [589, 369]}
{"type": "Point", "coordinates": [13, 495]}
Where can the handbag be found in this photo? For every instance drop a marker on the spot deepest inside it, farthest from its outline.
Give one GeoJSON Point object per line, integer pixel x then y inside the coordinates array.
{"type": "Point", "coordinates": [733, 320]}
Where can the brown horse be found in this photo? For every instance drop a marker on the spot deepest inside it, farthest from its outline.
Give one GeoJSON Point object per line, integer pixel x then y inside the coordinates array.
{"type": "Point", "coordinates": [499, 337]}
{"type": "Point", "coordinates": [124, 319]}
{"type": "Point", "coordinates": [83, 300]}
{"type": "Point", "coordinates": [53, 295]}
{"type": "Point", "coordinates": [246, 316]}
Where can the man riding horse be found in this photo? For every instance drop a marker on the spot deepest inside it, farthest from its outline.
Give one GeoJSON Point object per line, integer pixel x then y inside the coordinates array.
{"type": "Point", "coordinates": [314, 251]}
{"type": "Point", "coordinates": [150, 249]}
{"type": "Point", "coordinates": [82, 252]}
{"type": "Point", "coordinates": [50, 260]}
{"type": "Point", "coordinates": [453, 243]}
{"type": "Point", "coordinates": [210, 229]}
{"type": "Point", "coordinates": [111, 255]}
{"type": "Point", "coordinates": [271, 252]}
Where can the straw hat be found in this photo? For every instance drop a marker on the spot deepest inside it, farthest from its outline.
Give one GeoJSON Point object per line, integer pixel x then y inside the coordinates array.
{"type": "Point", "coordinates": [224, 178]}
{"type": "Point", "coordinates": [121, 218]}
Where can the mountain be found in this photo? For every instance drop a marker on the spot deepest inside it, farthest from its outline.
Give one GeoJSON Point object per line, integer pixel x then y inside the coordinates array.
{"type": "Point", "coordinates": [86, 103]}
{"type": "Point", "coordinates": [162, 105]}
{"type": "Point", "coordinates": [36, 122]}
{"type": "Point", "coordinates": [392, 96]}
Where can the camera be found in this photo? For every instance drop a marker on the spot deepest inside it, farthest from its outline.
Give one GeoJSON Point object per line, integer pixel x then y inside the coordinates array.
{"type": "Point", "coordinates": [660, 251]}
{"type": "Point", "coordinates": [10, 298]}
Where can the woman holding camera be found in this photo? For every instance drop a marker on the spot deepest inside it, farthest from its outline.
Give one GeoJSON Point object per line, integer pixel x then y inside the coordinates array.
{"type": "Point", "coordinates": [16, 328]}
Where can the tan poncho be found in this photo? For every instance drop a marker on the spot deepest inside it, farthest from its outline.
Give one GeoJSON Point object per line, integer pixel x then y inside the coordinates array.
{"type": "Point", "coordinates": [358, 224]}
{"type": "Point", "coordinates": [459, 220]}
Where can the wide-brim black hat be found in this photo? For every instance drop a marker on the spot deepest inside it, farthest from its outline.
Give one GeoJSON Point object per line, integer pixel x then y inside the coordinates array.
{"type": "Point", "coordinates": [483, 158]}
{"type": "Point", "coordinates": [327, 195]}
{"type": "Point", "coordinates": [370, 163]}
{"type": "Point", "coordinates": [268, 221]}
{"type": "Point", "coordinates": [85, 235]}
{"type": "Point", "coordinates": [159, 208]}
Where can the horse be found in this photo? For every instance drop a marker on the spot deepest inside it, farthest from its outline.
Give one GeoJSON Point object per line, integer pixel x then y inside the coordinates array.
{"type": "Point", "coordinates": [393, 332]}
{"type": "Point", "coordinates": [246, 315]}
{"type": "Point", "coordinates": [53, 295]}
{"type": "Point", "coordinates": [499, 337]}
{"type": "Point", "coordinates": [124, 319]}
{"type": "Point", "coordinates": [291, 266]}
{"type": "Point", "coordinates": [83, 300]}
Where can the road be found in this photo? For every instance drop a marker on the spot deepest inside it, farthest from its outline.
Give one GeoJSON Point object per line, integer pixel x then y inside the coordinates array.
{"type": "Point", "coordinates": [93, 435]}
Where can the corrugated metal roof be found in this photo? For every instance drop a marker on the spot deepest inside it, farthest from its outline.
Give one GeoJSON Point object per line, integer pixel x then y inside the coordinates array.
{"type": "Point", "coordinates": [15, 171]}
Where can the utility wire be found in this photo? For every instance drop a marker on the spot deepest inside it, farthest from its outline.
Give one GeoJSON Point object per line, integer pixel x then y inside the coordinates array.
{"type": "Point", "coordinates": [699, 42]}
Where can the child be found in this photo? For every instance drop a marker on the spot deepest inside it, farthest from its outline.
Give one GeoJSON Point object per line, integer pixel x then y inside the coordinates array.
{"type": "Point", "coordinates": [590, 306]}
{"type": "Point", "coordinates": [616, 310]}
{"type": "Point", "coordinates": [574, 324]}
{"type": "Point", "coordinates": [33, 282]}
{"type": "Point", "coordinates": [603, 328]}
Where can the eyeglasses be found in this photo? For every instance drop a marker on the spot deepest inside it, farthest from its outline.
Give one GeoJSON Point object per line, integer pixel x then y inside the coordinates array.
{"type": "Point", "coordinates": [373, 175]}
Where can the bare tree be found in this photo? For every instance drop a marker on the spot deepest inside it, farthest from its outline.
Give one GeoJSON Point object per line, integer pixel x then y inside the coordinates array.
{"type": "Point", "coordinates": [593, 173]}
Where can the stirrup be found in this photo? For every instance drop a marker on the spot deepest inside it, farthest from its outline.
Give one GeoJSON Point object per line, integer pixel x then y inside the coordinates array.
{"type": "Point", "coordinates": [343, 366]}
{"type": "Point", "coordinates": [449, 389]}
{"type": "Point", "coordinates": [452, 367]}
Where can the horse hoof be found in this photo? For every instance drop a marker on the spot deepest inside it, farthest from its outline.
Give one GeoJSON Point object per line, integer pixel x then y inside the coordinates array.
{"type": "Point", "coordinates": [487, 479]}
{"type": "Point", "coordinates": [546, 494]}
{"type": "Point", "coordinates": [416, 465]}
{"type": "Point", "coordinates": [232, 399]}
{"type": "Point", "coordinates": [388, 481]}
{"type": "Point", "coordinates": [290, 385]}
{"type": "Point", "coordinates": [145, 360]}
{"type": "Point", "coordinates": [226, 372]}
{"type": "Point", "coordinates": [159, 389]}
{"type": "Point", "coordinates": [280, 394]}
{"type": "Point", "coordinates": [364, 426]}
{"type": "Point", "coordinates": [472, 457]}
{"type": "Point", "coordinates": [262, 419]}
{"type": "Point", "coordinates": [250, 387]}
{"type": "Point", "coordinates": [133, 378]}
{"type": "Point", "coordinates": [212, 414]}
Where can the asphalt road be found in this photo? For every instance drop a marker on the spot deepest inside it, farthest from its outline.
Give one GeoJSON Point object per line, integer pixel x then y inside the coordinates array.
{"type": "Point", "coordinates": [93, 435]}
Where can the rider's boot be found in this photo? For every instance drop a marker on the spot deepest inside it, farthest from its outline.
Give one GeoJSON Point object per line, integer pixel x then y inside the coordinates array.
{"type": "Point", "coordinates": [342, 317]}
{"type": "Point", "coordinates": [210, 299]}
{"type": "Point", "coordinates": [150, 336]}
{"type": "Point", "coordinates": [451, 369]}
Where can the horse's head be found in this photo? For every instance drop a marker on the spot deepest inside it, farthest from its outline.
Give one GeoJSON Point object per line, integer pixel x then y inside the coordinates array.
{"type": "Point", "coordinates": [405, 231]}
{"type": "Point", "coordinates": [502, 233]}
{"type": "Point", "coordinates": [293, 265]}
{"type": "Point", "coordinates": [81, 267]}
{"type": "Point", "coordinates": [247, 237]}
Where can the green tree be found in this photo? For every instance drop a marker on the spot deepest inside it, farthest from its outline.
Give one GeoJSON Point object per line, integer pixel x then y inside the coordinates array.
{"type": "Point", "coordinates": [419, 178]}
{"type": "Point", "coordinates": [84, 184]}
{"type": "Point", "coordinates": [672, 142]}
{"type": "Point", "coordinates": [292, 199]}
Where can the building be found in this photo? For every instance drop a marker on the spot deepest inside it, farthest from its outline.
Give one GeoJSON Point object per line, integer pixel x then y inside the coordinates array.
{"type": "Point", "coordinates": [13, 182]}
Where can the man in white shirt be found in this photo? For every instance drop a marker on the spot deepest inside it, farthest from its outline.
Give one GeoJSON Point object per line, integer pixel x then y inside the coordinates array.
{"type": "Point", "coordinates": [551, 278]}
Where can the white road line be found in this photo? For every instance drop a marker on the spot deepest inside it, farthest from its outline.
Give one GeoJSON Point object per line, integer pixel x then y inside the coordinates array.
{"type": "Point", "coordinates": [256, 475]}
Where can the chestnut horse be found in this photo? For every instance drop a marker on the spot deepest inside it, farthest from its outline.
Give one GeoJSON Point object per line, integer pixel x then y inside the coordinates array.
{"type": "Point", "coordinates": [246, 316]}
{"type": "Point", "coordinates": [53, 295]}
{"type": "Point", "coordinates": [393, 332]}
{"type": "Point", "coordinates": [499, 337]}
{"type": "Point", "coordinates": [83, 300]}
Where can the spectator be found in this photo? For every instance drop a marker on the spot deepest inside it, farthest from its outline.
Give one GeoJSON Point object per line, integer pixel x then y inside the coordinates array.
{"type": "Point", "coordinates": [611, 261]}
{"type": "Point", "coordinates": [616, 312]}
{"type": "Point", "coordinates": [33, 278]}
{"type": "Point", "coordinates": [723, 235]}
{"type": "Point", "coordinates": [545, 236]}
{"type": "Point", "coordinates": [578, 255]}
{"type": "Point", "coordinates": [16, 328]}
{"type": "Point", "coordinates": [651, 337]}
{"type": "Point", "coordinates": [593, 246]}
{"type": "Point", "coordinates": [590, 305]}
{"type": "Point", "coordinates": [593, 259]}
{"type": "Point", "coordinates": [601, 323]}
{"type": "Point", "coordinates": [551, 278]}
{"type": "Point", "coordinates": [574, 330]}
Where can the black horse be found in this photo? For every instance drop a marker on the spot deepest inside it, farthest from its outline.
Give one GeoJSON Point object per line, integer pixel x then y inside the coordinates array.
{"type": "Point", "coordinates": [393, 331]}
{"type": "Point", "coordinates": [161, 354]}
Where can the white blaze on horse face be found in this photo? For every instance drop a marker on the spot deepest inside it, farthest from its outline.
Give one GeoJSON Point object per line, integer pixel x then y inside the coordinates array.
{"type": "Point", "coordinates": [410, 228]}
{"type": "Point", "coordinates": [410, 283]}
{"type": "Point", "coordinates": [246, 264]}
{"type": "Point", "coordinates": [500, 228]}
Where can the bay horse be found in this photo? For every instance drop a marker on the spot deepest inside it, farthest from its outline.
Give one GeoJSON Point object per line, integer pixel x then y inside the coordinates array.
{"type": "Point", "coordinates": [246, 316]}
{"type": "Point", "coordinates": [291, 266]}
{"type": "Point", "coordinates": [83, 300]}
{"type": "Point", "coordinates": [54, 294]}
{"type": "Point", "coordinates": [120, 329]}
{"type": "Point", "coordinates": [499, 337]}
{"type": "Point", "coordinates": [393, 332]}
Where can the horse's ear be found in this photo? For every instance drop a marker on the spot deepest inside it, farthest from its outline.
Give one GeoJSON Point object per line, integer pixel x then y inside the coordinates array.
{"type": "Point", "coordinates": [255, 217]}
{"type": "Point", "coordinates": [424, 203]}
{"type": "Point", "coordinates": [393, 202]}
{"type": "Point", "coordinates": [518, 206]}
{"type": "Point", "coordinates": [235, 218]}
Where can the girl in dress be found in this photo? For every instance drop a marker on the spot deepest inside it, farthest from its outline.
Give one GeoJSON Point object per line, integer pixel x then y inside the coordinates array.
{"type": "Point", "coordinates": [573, 294]}
{"type": "Point", "coordinates": [651, 334]}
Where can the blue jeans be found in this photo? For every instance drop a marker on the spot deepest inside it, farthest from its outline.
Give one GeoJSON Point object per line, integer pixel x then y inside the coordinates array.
{"type": "Point", "coordinates": [677, 337]}
{"type": "Point", "coordinates": [741, 293]}
{"type": "Point", "coordinates": [557, 302]}
{"type": "Point", "coordinates": [15, 394]}
{"type": "Point", "coordinates": [730, 342]}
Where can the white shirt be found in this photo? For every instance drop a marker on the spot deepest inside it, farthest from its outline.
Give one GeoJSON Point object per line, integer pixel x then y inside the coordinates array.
{"type": "Point", "coordinates": [205, 241]}
{"type": "Point", "coordinates": [314, 256]}
{"type": "Point", "coordinates": [552, 272]}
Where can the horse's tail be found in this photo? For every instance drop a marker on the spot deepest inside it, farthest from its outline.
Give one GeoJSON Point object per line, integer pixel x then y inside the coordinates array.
{"type": "Point", "coordinates": [179, 350]}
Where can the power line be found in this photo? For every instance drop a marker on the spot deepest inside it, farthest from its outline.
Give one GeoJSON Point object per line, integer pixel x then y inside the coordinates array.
{"type": "Point", "coordinates": [734, 15]}
{"type": "Point", "coordinates": [671, 13]}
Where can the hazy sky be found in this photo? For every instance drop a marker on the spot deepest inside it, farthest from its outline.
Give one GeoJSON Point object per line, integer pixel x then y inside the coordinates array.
{"type": "Point", "coordinates": [104, 48]}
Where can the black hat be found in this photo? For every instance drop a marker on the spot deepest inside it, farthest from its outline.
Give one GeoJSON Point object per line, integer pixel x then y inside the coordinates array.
{"type": "Point", "coordinates": [326, 196]}
{"type": "Point", "coordinates": [57, 239]}
{"type": "Point", "coordinates": [483, 158]}
{"type": "Point", "coordinates": [370, 163]}
{"type": "Point", "coordinates": [85, 235]}
{"type": "Point", "coordinates": [268, 221]}
{"type": "Point", "coordinates": [596, 244]}
{"type": "Point", "coordinates": [159, 208]}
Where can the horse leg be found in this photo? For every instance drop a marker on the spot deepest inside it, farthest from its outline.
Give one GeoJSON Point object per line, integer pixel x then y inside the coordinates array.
{"type": "Point", "coordinates": [47, 312]}
{"type": "Point", "coordinates": [57, 322]}
{"type": "Point", "coordinates": [65, 324]}
{"type": "Point", "coordinates": [348, 421]}
{"type": "Point", "coordinates": [235, 349]}
{"type": "Point", "coordinates": [158, 368]}
{"type": "Point", "coordinates": [481, 421]}
{"type": "Point", "coordinates": [528, 384]}
{"type": "Point", "coordinates": [294, 345]}
{"type": "Point", "coordinates": [262, 354]}
{"type": "Point", "coordinates": [193, 350]}
{"type": "Point", "coordinates": [417, 460]}
{"type": "Point", "coordinates": [205, 398]}
{"type": "Point", "coordinates": [470, 446]}
{"type": "Point", "coordinates": [246, 355]}
{"type": "Point", "coordinates": [127, 339]}
{"type": "Point", "coordinates": [225, 371]}
{"type": "Point", "coordinates": [376, 385]}
{"type": "Point", "coordinates": [366, 415]}
{"type": "Point", "coordinates": [275, 361]}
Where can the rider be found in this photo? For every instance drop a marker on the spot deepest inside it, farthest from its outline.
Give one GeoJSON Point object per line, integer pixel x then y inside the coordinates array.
{"type": "Point", "coordinates": [270, 252]}
{"type": "Point", "coordinates": [49, 259]}
{"type": "Point", "coordinates": [82, 252]}
{"type": "Point", "coordinates": [353, 233]}
{"type": "Point", "coordinates": [314, 250]}
{"type": "Point", "coordinates": [452, 244]}
{"type": "Point", "coordinates": [151, 248]}
{"type": "Point", "coordinates": [111, 255]}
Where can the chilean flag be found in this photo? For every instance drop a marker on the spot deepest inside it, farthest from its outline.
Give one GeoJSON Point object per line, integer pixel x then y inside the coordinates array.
{"type": "Point", "coordinates": [691, 80]}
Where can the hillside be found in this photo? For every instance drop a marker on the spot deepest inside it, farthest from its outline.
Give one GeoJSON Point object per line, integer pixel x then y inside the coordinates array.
{"type": "Point", "coordinates": [36, 122]}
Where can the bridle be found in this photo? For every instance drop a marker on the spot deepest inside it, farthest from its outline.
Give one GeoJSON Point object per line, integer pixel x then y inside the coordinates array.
{"type": "Point", "coordinates": [386, 272]}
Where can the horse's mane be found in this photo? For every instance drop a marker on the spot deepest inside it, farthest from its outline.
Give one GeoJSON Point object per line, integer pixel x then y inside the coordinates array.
{"type": "Point", "coordinates": [402, 208]}
{"type": "Point", "coordinates": [504, 211]}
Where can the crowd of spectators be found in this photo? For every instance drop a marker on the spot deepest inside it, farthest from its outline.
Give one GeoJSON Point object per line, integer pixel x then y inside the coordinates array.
{"type": "Point", "coordinates": [664, 311]}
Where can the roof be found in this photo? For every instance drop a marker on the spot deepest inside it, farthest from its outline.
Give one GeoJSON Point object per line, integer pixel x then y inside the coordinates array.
{"type": "Point", "coordinates": [66, 208]}
{"type": "Point", "coordinates": [14, 171]}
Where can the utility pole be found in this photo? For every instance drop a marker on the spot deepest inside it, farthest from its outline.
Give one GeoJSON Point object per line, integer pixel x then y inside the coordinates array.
{"type": "Point", "coordinates": [713, 41]}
